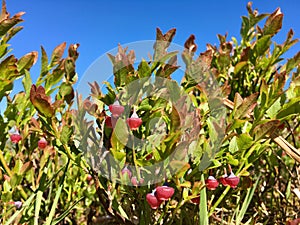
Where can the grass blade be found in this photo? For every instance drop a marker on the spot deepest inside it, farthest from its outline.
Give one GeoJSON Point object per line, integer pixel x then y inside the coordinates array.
{"type": "Point", "coordinates": [203, 215]}
{"type": "Point", "coordinates": [16, 214]}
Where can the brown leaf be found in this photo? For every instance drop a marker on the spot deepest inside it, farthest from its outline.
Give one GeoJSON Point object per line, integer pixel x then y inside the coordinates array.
{"type": "Point", "coordinates": [73, 53]}
{"type": "Point", "coordinates": [266, 128]}
{"type": "Point", "coordinates": [190, 44]}
{"type": "Point", "coordinates": [246, 107]}
{"type": "Point", "coordinates": [273, 23]}
{"type": "Point", "coordinates": [57, 54]}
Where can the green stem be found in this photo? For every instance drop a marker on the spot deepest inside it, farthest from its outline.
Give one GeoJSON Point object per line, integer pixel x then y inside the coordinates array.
{"type": "Point", "coordinates": [212, 209]}
{"type": "Point", "coordinates": [135, 163]}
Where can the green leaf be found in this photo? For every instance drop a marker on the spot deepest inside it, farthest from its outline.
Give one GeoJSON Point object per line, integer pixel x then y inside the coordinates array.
{"type": "Point", "coordinates": [293, 62]}
{"type": "Point", "coordinates": [66, 91]}
{"type": "Point", "coordinates": [203, 214]}
{"type": "Point", "coordinates": [232, 160]}
{"type": "Point", "coordinates": [262, 45]}
{"type": "Point", "coordinates": [8, 68]}
{"type": "Point", "coordinates": [44, 66]}
{"type": "Point", "coordinates": [120, 135]}
{"type": "Point", "coordinates": [3, 49]}
{"type": "Point", "coordinates": [41, 101]}
{"type": "Point", "coordinates": [27, 61]}
{"type": "Point", "coordinates": [240, 66]}
{"type": "Point", "coordinates": [27, 82]}
{"type": "Point", "coordinates": [289, 109]}
{"type": "Point", "coordinates": [244, 141]}
{"type": "Point", "coordinates": [66, 134]}
{"type": "Point", "coordinates": [144, 70]}
{"type": "Point", "coordinates": [233, 147]}
{"type": "Point", "coordinates": [273, 110]}
{"type": "Point", "coordinates": [5, 87]}
{"type": "Point", "coordinates": [70, 68]}
{"type": "Point", "coordinates": [122, 212]}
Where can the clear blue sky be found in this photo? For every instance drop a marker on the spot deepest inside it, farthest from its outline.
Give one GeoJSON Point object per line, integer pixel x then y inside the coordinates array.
{"type": "Point", "coordinates": [98, 26]}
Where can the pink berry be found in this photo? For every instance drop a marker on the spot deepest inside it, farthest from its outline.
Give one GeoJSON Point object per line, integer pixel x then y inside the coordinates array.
{"type": "Point", "coordinates": [89, 177]}
{"type": "Point", "coordinates": [196, 200]}
{"type": "Point", "coordinates": [15, 138]}
{"type": "Point", "coordinates": [163, 193]}
{"type": "Point", "coordinates": [42, 143]}
{"type": "Point", "coordinates": [141, 180]}
{"type": "Point", "coordinates": [116, 109]}
{"type": "Point", "coordinates": [18, 204]}
{"type": "Point", "coordinates": [211, 183]}
{"type": "Point", "coordinates": [134, 181]}
{"type": "Point", "coordinates": [153, 201]}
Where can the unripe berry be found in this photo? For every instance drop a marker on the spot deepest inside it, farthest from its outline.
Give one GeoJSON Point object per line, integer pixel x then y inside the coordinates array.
{"type": "Point", "coordinates": [126, 172]}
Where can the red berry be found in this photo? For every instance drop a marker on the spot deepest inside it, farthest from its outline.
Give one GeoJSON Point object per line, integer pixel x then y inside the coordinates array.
{"type": "Point", "coordinates": [42, 143]}
{"type": "Point", "coordinates": [15, 138]}
{"type": "Point", "coordinates": [126, 172]}
{"type": "Point", "coordinates": [148, 157]}
{"type": "Point", "coordinates": [211, 183]}
{"type": "Point", "coordinates": [108, 122]}
{"type": "Point", "coordinates": [134, 122]}
{"type": "Point", "coordinates": [232, 180]}
{"type": "Point", "coordinates": [222, 179]}
{"type": "Point", "coordinates": [163, 193]}
{"type": "Point", "coordinates": [153, 201]}
{"type": "Point", "coordinates": [116, 109]}
{"type": "Point", "coordinates": [196, 200]}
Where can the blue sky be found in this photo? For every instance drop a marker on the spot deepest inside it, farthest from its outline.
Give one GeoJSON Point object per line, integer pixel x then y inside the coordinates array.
{"type": "Point", "coordinates": [98, 26]}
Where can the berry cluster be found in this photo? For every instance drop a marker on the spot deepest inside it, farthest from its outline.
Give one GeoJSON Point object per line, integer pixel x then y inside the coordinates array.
{"type": "Point", "coordinates": [159, 195]}
{"type": "Point", "coordinates": [16, 138]}
{"type": "Point", "coordinates": [126, 173]}
{"type": "Point", "coordinates": [134, 122]}
{"type": "Point", "coordinates": [232, 180]}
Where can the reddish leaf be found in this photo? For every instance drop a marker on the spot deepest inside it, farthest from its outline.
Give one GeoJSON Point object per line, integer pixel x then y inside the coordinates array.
{"type": "Point", "coordinates": [41, 101]}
